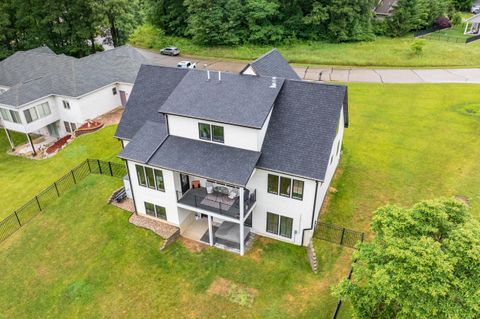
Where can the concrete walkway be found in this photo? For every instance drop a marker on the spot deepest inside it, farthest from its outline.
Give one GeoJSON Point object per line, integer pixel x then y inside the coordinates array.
{"type": "Point", "coordinates": [339, 74]}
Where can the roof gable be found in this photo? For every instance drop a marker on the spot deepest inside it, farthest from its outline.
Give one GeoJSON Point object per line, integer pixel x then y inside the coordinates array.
{"type": "Point", "coordinates": [273, 63]}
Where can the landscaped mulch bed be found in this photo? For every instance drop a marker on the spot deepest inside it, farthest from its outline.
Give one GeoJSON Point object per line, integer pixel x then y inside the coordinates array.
{"type": "Point", "coordinates": [160, 228]}
{"type": "Point", "coordinates": [58, 145]}
{"type": "Point", "coordinates": [89, 127]}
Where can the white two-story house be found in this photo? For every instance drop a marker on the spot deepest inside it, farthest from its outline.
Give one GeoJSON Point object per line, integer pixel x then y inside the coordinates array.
{"type": "Point", "coordinates": [48, 94]}
{"type": "Point", "coordinates": [231, 155]}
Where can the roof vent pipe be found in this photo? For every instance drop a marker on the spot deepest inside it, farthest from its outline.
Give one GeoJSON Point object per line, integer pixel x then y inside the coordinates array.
{"type": "Point", "coordinates": [274, 83]}
{"type": "Point", "coordinates": [208, 75]}
{"type": "Point", "coordinates": [219, 76]}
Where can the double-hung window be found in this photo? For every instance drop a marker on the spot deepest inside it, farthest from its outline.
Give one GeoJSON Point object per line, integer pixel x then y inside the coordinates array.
{"type": "Point", "coordinates": [10, 116]}
{"type": "Point", "coordinates": [279, 225]}
{"type": "Point", "coordinates": [149, 177]}
{"type": "Point", "coordinates": [155, 211]}
{"type": "Point", "coordinates": [43, 110]}
{"type": "Point", "coordinates": [66, 105]}
{"type": "Point", "coordinates": [31, 114]}
{"type": "Point", "coordinates": [285, 186]}
{"type": "Point", "coordinates": [209, 132]}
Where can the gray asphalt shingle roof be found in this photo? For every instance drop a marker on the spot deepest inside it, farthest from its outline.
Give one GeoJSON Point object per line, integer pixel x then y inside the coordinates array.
{"type": "Point", "coordinates": [302, 128]}
{"type": "Point", "coordinates": [33, 75]}
{"type": "Point", "coordinates": [237, 99]}
{"type": "Point", "coordinates": [152, 87]}
{"type": "Point", "coordinates": [145, 142]}
{"type": "Point", "coordinates": [219, 162]}
{"type": "Point", "coordinates": [273, 63]}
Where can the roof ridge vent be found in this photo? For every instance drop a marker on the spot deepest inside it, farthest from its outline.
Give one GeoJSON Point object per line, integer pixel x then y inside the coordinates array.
{"type": "Point", "coordinates": [274, 82]}
{"type": "Point", "coordinates": [208, 75]}
{"type": "Point", "coordinates": [219, 76]}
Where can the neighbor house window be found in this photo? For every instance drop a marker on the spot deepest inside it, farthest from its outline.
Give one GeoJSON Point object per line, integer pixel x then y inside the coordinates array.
{"type": "Point", "coordinates": [272, 184]}
{"type": "Point", "coordinates": [142, 181]}
{"type": "Point", "coordinates": [31, 114]}
{"type": "Point", "coordinates": [66, 105]}
{"type": "Point", "coordinates": [204, 131]}
{"type": "Point", "coordinates": [150, 177]}
{"type": "Point", "coordinates": [217, 134]}
{"type": "Point", "coordinates": [285, 186]}
{"type": "Point", "coordinates": [10, 116]}
{"type": "Point", "coordinates": [297, 189]}
{"type": "Point", "coordinates": [67, 127]}
{"type": "Point", "coordinates": [43, 110]}
{"type": "Point", "coordinates": [279, 225]}
{"type": "Point", "coordinates": [74, 126]}
{"type": "Point", "coordinates": [155, 211]}
{"type": "Point", "coordinates": [114, 91]}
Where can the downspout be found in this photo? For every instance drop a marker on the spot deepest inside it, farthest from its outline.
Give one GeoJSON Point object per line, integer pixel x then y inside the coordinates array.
{"type": "Point", "coordinates": [313, 212]}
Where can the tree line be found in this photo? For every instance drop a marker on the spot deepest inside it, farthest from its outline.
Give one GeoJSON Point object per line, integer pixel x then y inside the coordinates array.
{"type": "Point", "coordinates": [231, 22]}
{"type": "Point", "coordinates": [66, 26]}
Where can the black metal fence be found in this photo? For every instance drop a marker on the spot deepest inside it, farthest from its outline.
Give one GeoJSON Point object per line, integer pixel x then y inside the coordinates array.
{"type": "Point", "coordinates": [338, 235]}
{"type": "Point", "coordinates": [474, 38]}
{"type": "Point", "coordinates": [31, 208]}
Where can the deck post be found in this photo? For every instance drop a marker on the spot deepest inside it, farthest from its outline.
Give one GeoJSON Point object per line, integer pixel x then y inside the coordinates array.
{"type": "Point", "coordinates": [210, 230]}
{"type": "Point", "coordinates": [31, 144]}
{"type": "Point", "coordinates": [242, 225]}
{"type": "Point", "coordinates": [9, 137]}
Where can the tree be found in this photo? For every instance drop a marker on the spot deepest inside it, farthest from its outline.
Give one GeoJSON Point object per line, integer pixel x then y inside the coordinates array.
{"type": "Point", "coordinates": [260, 16]}
{"type": "Point", "coordinates": [463, 5]}
{"type": "Point", "coordinates": [424, 262]}
{"type": "Point", "coordinates": [215, 22]}
{"type": "Point", "coordinates": [169, 15]}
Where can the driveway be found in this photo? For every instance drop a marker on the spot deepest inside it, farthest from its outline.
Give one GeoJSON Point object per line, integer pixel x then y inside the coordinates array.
{"type": "Point", "coordinates": [338, 74]}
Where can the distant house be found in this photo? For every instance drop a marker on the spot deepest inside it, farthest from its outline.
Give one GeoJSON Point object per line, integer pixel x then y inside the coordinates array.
{"type": "Point", "coordinates": [472, 25]}
{"type": "Point", "coordinates": [385, 8]}
{"type": "Point", "coordinates": [49, 94]}
{"type": "Point", "coordinates": [224, 156]}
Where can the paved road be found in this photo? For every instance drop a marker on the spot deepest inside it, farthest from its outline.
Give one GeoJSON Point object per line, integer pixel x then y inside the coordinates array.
{"type": "Point", "coordinates": [338, 74]}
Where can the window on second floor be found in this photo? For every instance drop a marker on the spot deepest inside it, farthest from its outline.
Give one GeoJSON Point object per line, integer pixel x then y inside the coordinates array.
{"type": "Point", "coordinates": [37, 112]}
{"type": "Point", "coordinates": [285, 186]}
{"type": "Point", "coordinates": [209, 132]}
{"type": "Point", "coordinates": [66, 105]}
{"type": "Point", "coordinates": [10, 116]}
{"type": "Point", "coordinates": [114, 91]}
{"type": "Point", "coordinates": [151, 178]}
{"type": "Point", "coordinates": [31, 114]}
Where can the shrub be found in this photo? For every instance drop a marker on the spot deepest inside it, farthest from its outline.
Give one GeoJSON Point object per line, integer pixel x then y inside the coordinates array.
{"type": "Point", "coordinates": [417, 47]}
{"type": "Point", "coordinates": [457, 18]}
{"type": "Point", "coordinates": [443, 22]}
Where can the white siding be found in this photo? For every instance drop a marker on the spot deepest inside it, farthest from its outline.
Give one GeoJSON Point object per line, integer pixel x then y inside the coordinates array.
{"type": "Point", "coordinates": [236, 136]}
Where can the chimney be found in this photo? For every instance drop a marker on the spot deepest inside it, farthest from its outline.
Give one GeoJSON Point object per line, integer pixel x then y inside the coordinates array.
{"type": "Point", "coordinates": [219, 76]}
{"type": "Point", "coordinates": [208, 75]}
{"type": "Point", "coordinates": [274, 83]}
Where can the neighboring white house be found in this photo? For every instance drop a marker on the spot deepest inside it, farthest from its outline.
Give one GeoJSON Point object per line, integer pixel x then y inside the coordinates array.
{"type": "Point", "coordinates": [49, 94]}
{"type": "Point", "coordinates": [224, 155]}
{"type": "Point", "coordinates": [472, 25]}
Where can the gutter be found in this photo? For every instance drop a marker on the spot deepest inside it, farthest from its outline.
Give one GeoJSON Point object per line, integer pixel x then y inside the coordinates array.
{"type": "Point", "coordinates": [313, 212]}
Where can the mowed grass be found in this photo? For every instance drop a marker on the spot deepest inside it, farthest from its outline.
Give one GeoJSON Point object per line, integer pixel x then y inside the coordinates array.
{"type": "Point", "coordinates": [382, 52]}
{"type": "Point", "coordinates": [406, 143]}
{"type": "Point", "coordinates": [23, 178]}
{"type": "Point", "coordinates": [81, 258]}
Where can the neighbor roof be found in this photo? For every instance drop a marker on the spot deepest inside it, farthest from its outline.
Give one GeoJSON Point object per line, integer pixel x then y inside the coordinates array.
{"type": "Point", "coordinates": [475, 18]}
{"type": "Point", "coordinates": [44, 74]}
{"type": "Point", "coordinates": [302, 128]}
{"type": "Point", "coordinates": [385, 7]}
{"type": "Point", "coordinates": [152, 87]}
{"type": "Point", "coordinates": [236, 99]}
{"type": "Point", "coordinates": [273, 63]}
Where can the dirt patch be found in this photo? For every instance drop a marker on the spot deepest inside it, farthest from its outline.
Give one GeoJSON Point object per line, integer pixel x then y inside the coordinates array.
{"type": "Point", "coordinates": [257, 250]}
{"type": "Point", "coordinates": [236, 293]}
{"type": "Point", "coordinates": [159, 227]}
{"type": "Point", "coordinates": [193, 246]}
{"type": "Point", "coordinates": [112, 117]}
{"type": "Point", "coordinates": [463, 199]}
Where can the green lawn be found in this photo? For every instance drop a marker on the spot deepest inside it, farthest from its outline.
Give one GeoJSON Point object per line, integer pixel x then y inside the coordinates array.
{"type": "Point", "coordinates": [23, 178]}
{"type": "Point", "coordinates": [81, 258]}
{"type": "Point", "coordinates": [383, 52]}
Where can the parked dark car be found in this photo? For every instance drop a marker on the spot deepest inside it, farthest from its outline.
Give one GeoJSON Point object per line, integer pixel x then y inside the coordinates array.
{"type": "Point", "coordinates": [170, 51]}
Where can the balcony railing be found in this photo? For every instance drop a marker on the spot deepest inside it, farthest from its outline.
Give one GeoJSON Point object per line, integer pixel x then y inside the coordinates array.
{"type": "Point", "coordinates": [217, 202]}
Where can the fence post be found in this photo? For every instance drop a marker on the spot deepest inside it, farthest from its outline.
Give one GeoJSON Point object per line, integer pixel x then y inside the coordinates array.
{"type": "Point", "coordinates": [363, 237]}
{"type": "Point", "coordinates": [110, 166]}
{"type": "Point", "coordinates": [88, 163]}
{"type": "Point", "coordinates": [73, 175]}
{"type": "Point", "coordinates": [38, 203]}
{"type": "Point", "coordinates": [56, 188]}
{"type": "Point", "coordinates": [343, 234]}
{"type": "Point", "coordinates": [18, 220]}
{"type": "Point", "coordinates": [99, 167]}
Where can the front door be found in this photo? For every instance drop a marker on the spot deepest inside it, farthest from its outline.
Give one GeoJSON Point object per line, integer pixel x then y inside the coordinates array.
{"type": "Point", "coordinates": [123, 98]}
{"type": "Point", "coordinates": [185, 181]}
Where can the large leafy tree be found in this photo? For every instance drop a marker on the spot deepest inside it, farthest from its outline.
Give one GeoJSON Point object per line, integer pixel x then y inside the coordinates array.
{"type": "Point", "coordinates": [463, 5]}
{"type": "Point", "coordinates": [169, 15]}
{"type": "Point", "coordinates": [261, 20]}
{"type": "Point", "coordinates": [424, 262]}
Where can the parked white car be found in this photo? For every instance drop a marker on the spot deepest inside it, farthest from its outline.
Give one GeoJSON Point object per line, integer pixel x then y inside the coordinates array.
{"type": "Point", "coordinates": [186, 65]}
